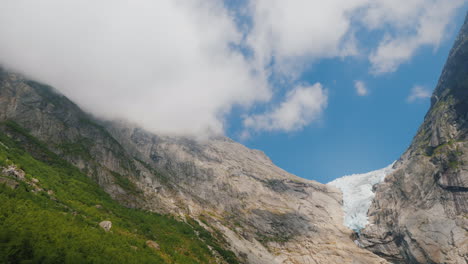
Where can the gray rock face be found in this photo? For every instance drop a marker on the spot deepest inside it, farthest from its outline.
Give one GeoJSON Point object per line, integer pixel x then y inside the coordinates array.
{"type": "Point", "coordinates": [261, 212]}
{"type": "Point", "coordinates": [420, 212]}
{"type": "Point", "coordinates": [267, 214]}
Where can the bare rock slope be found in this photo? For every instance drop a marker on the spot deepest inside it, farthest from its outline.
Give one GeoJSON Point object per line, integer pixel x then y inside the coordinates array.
{"type": "Point", "coordinates": [257, 210]}
{"type": "Point", "coordinates": [420, 212]}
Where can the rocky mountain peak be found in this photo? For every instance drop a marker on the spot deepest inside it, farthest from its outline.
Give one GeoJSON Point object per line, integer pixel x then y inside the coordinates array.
{"type": "Point", "coordinates": [451, 93]}
{"type": "Point", "coordinates": [258, 211]}
{"type": "Point", "coordinates": [419, 214]}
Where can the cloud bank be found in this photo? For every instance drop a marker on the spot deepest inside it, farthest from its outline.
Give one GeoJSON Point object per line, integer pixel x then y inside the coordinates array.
{"type": "Point", "coordinates": [180, 66]}
{"type": "Point", "coordinates": [167, 65]}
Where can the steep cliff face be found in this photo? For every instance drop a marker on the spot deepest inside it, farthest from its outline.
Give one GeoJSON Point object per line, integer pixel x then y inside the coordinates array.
{"type": "Point", "coordinates": [262, 213]}
{"type": "Point", "coordinates": [269, 215]}
{"type": "Point", "coordinates": [68, 131]}
{"type": "Point", "coordinates": [420, 212]}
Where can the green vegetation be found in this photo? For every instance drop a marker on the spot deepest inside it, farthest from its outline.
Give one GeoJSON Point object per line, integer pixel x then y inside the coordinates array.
{"type": "Point", "coordinates": [444, 148]}
{"type": "Point", "coordinates": [265, 239]}
{"type": "Point", "coordinates": [454, 164]}
{"type": "Point", "coordinates": [125, 183]}
{"type": "Point", "coordinates": [62, 225]}
{"type": "Point", "coordinates": [213, 241]}
{"type": "Point", "coordinates": [80, 148]}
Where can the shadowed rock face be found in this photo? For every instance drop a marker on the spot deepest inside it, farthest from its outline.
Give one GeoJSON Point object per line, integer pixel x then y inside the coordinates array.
{"type": "Point", "coordinates": [261, 212]}
{"type": "Point", "coordinates": [420, 212]}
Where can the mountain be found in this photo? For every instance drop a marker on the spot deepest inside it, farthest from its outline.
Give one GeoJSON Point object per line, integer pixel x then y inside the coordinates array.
{"type": "Point", "coordinates": [358, 193]}
{"type": "Point", "coordinates": [50, 212]}
{"type": "Point", "coordinates": [75, 188]}
{"type": "Point", "coordinates": [254, 212]}
{"type": "Point", "coordinates": [420, 212]}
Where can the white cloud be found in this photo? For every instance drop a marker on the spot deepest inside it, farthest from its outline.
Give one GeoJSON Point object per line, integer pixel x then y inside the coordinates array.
{"type": "Point", "coordinates": [361, 88]}
{"type": "Point", "coordinates": [302, 105]}
{"type": "Point", "coordinates": [163, 64]}
{"type": "Point", "coordinates": [170, 66]}
{"type": "Point", "coordinates": [417, 93]}
{"type": "Point", "coordinates": [295, 32]}
{"type": "Point", "coordinates": [416, 23]}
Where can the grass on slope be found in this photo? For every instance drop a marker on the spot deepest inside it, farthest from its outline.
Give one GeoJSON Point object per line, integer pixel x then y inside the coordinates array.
{"type": "Point", "coordinates": [62, 227]}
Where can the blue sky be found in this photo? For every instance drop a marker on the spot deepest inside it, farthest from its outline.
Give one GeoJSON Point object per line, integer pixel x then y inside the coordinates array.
{"type": "Point", "coordinates": [356, 134]}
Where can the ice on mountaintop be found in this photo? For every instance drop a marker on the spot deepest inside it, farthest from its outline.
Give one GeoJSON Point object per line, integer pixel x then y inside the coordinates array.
{"type": "Point", "coordinates": [358, 195]}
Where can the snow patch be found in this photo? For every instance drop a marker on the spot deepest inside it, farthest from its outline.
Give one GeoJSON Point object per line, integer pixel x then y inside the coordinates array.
{"type": "Point", "coordinates": [358, 195]}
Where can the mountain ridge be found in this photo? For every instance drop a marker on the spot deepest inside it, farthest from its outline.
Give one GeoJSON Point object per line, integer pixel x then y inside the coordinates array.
{"type": "Point", "coordinates": [420, 212]}
{"type": "Point", "coordinates": [53, 213]}
{"type": "Point", "coordinates": [264, 214]}
{"type": "Point", "coordinates": [235, 199]}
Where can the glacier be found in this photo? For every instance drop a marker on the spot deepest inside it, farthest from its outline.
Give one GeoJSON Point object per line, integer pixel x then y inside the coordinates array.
{"type": "Point", "coordinates": [358, 195]}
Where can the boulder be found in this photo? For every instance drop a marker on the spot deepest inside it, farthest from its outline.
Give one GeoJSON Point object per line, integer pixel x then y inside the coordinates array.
{"type": "Point", "coordinates": [152, 244]}
{"type": "Point", "coordinates": [106, 225]}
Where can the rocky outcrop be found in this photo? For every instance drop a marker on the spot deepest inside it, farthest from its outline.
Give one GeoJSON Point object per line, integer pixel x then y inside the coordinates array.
{"type": "Point", "coordinates": [14, 172]}
{"type": "Point", "coordinates": [11, 176]}
{"type": "Point", "coordinates": [420, 212]}
{"type": "Point", "coordinates": [259, 211]}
